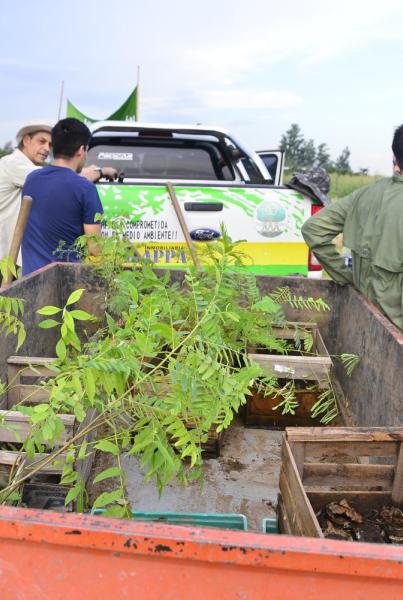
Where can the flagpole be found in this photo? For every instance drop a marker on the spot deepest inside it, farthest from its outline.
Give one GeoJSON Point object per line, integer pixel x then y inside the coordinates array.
{"type": "Point", "coordinates": [60, 101]}
{"type": "Point", "coordinates": [138, 94]}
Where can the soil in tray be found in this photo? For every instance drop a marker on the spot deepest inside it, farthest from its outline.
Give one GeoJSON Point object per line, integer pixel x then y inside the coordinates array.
{"type": "Point", "coordinates": [341, 521]}
{"type": "Point", "coordinates": [259, 410]}
{"type": "Point", "coordinates": [291, 351]}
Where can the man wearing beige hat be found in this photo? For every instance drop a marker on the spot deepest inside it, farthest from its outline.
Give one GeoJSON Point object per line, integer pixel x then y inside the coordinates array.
{"type": "Point", "coordinates": [33, 148]}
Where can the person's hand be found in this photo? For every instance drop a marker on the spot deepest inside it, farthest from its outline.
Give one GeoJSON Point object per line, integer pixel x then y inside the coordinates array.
{"type": "Point", "coordinates": [109, 173]}
{"type": "Point", "coordinates": [94, 173]}
{"type": "Point", "coordinates": [91, 173]}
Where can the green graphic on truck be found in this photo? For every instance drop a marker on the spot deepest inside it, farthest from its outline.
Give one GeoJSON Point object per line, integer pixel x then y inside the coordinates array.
{"type": "Point", "coordinates": [254, 214]}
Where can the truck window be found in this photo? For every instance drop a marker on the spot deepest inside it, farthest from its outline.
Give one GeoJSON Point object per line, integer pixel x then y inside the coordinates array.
{"type": "Point", "coordinates": [162, 160]}
{"type": "Point", "coordinates": [271, 164]}
{"type": "Point", "coordinates": [250, 170]}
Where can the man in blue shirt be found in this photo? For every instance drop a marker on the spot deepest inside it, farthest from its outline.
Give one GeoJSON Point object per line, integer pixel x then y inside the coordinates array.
{"type": "Point", "coordinates": [64, 204]}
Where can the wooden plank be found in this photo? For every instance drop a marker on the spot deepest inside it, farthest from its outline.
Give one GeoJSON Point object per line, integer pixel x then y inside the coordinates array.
{"type": "Point", "coordinates": [298, 452]}
{"type": "Point", "coordinates": [16, 427]}
{"type": "Point", "coordinates": [23, 364]}
{"type": "Point", "coordinates": [9, 457]}
{"type": "Point", "coordinates": [30, 360]}
{"type": "Point", "coordinates": [352, 449]}
{"type": "Point", "coordinates": [308, 361]}
{"type": "Point", "coordinates": [51, 468]}
{"type": "Point", "coordinates": [299, 498]}
{"type": "Point", "coordinates": [397, 487]}
{"type": "Point", "coordinates": [288, 332]}
{"type": "Point", "coordinates": [314, 368]}
{"type": "Point", "coordinates": [320, 346]}
{"type": "Point", "coordinates": [13, 378]}
{"type": "Point", "coordinates": [28, 394]}
{"type": "Point", "coordinates": [84, 465]}
{"type": "Point", "coordinates": [363, 476]}
{"type": "Point", "coordinates": [36, 371]}
{"type": "Point", "coordinates": [282, 517]}
{"type": "Point", "coordinates": [345, 434]}
{"type": "Point", "coordinates": [294, 523]}
{"type": "Point", "coordinates": [361, 500]}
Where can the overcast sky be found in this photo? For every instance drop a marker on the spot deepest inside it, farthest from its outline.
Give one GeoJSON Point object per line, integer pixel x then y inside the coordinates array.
{"type": "Point", "coordinates": [253, 67]}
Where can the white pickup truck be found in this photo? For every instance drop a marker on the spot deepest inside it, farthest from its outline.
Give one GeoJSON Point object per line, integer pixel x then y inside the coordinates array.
{"type": "Point", "coordinates": [216, 179]}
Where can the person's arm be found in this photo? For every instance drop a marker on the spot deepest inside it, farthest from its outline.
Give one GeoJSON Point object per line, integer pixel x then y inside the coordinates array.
{"type": "Point", "coordinates": [92, 206]}
{"type": "Point", "coordinates": [319, 232]}
{"type": "Point", "coordinates": [94, 173]}
{"type": "Point", "coordinates": [93, 230]}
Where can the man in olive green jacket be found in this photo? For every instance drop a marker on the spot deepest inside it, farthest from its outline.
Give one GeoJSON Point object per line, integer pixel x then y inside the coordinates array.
{"type": "Point", "coordinates": [371, 220]}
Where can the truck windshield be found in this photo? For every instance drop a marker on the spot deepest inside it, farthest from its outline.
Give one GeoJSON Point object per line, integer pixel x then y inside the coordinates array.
{"type": "Point", "coordinates": [162, 159]}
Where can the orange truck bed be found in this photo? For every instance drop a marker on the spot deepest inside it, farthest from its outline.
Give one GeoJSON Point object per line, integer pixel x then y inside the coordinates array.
{"type": "Point", "coordinates": [52, 555]}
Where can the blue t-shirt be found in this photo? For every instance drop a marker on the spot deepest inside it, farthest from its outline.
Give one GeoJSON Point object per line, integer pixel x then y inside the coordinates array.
{"type": "Point", "coordinates": [62, 202]}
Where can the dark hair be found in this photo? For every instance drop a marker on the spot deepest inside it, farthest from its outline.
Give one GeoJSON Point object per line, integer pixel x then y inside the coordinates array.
{"type": "Point", "coordinates": [67, 137]}
{"type": "Point", "coordinates": [397, 146]}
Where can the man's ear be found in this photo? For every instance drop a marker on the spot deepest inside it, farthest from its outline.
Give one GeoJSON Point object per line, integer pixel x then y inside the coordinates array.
{"type": "Point", "coordinates": [26, 139]}
{"type": "Point", "coordinates": [80, 152]}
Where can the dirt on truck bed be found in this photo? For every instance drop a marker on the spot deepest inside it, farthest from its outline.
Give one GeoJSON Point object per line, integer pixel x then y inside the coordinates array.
{"type": "Point", "coordinates": [244, 479]}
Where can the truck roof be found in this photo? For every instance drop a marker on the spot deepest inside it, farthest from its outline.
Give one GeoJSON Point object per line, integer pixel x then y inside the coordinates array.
{"type": "Point", "coordinates": [137, 129]}
{"type": "Point", "coordinates": [136, 126]}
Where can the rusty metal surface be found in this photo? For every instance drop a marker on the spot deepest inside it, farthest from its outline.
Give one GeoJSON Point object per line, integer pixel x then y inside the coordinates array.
{"type": "Point", "coordinates": [46, 555]}
{"type": "Point", "coordinates": [315, 288]}
{"type": "Point", "coordinates": [74, 276]}
{"type": "Point", "coordinates": [36, 290]}
{"type": "Point", "coordinates": [374, 390]}
{"type": "Point", "coordinates": [353, 325]}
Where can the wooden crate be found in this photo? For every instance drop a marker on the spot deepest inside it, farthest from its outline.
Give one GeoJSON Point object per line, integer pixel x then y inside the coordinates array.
{"type": "Point", "coordinates": [32, 368]}
{"type": "Point", "coordinates": [212, 448]}
{"type": "Point", "coordinates": [16, 427]}
{"type": "Point", "coordinates": [304, 370]}
{"type": "Point", "coordinates": [308, 368]}
{"type": "Point", "coordinates": [14, 431]}
{"type": "Point", "coordinates": [14, 460]}
{"type": "Point", "coordinates": [322, 465]}
{"type": "Point", "coordinates": [35, 369]}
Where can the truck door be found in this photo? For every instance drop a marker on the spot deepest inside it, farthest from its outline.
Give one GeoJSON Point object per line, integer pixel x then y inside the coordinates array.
{"type": "Point", "coordinates": [274, 163]}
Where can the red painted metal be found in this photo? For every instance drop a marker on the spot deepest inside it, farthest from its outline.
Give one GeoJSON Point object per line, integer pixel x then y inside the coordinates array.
{"type": "Point", "coordinates": [313, 263]}
{"type": "Point", "coordinates": [45, 555]}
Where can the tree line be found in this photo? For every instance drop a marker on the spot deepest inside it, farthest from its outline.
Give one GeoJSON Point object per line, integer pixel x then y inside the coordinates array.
{"type": "Point", "coordinates": [302, 154]}
{"type": "Point", "coordinates": [6, 149]}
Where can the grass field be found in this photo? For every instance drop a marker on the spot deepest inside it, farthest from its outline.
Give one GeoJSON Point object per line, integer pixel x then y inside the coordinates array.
{"type": "Point", "coordinates": [342, 185]}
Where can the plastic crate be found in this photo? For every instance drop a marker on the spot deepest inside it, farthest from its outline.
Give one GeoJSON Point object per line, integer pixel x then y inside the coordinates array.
{"type": "Point", "coordinates": [232, 521]}
{"type": "Point", "coordinates": [270, 525]}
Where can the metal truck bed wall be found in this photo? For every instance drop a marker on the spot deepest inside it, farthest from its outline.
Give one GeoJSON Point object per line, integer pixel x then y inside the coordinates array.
{"type": "Point", "coordinates": [373, 392]}
{"type": "Point", "coordinates": [47, 555]}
